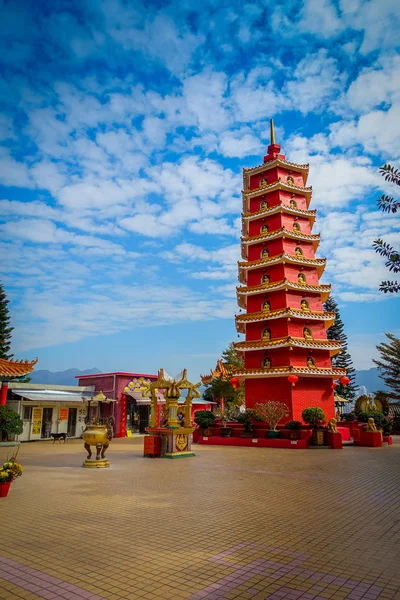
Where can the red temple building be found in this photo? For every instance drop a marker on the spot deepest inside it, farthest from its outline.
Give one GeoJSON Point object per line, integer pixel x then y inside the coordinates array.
{"type": "Point", "coordinates": [286, 352]}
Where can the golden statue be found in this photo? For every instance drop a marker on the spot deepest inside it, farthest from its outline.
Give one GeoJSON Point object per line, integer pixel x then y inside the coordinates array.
{"type": "Point", "coordinates": [338, 416]}
{"type": "Point", "coordinates": [263, 205]}
{"type": "Point", "coordinates": [293, 204]}
{"type": "Point", "coordinates": [266, 306]}
{"type": "Point", "coordinates": [332, 426]}
{"type": "Point", "coordinates": [311, 363]}
{"type": "Point", "coordinates": [296, 228]}
{"type": "Point", "coordinates": [265, 280]}
{"type": "Point", "coordinates": [267, 363]}
{"type": "Point", "coordinates": [366, 403]}
{"type": "Point", "coordinates": [264, 229]}
{"type": "Point", "coordinates": [301, 278]}
{"type": "Point", "coordinates": [263, 182]}
{"type": "Point", "coordinates": [266, 335]}
{"type": "Point", "coordinates": [290, 180]}
{"type": "Point", "coordinates": [371, 406]}
{"type": "Point", "coordinates": [299, 252]}
{"type": "Point", "coordinates": [370, 426]}
{"type": "Point", "coordinates": [307, 333]}
{"type": "Point", "coordinates": [304, 306]}
{"type": "Point", "coordinates": [265, 253]}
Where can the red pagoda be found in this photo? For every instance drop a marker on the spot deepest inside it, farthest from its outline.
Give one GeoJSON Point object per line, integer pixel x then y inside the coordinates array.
{"type": "Point", "coordinates": [287, 355]}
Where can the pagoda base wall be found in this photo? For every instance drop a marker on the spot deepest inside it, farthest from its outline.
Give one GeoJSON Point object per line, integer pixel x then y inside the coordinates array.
{"type": "Point", "coordinates": [308, 392]}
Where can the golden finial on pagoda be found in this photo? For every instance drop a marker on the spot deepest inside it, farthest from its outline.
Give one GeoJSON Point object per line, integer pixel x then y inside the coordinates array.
{"type": "Point", "coordinates": [272, 129]}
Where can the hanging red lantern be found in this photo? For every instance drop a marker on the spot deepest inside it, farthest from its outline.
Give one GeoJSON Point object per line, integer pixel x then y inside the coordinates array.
{"type": "Point", "coordinates": [293, 379]}
{"type": "Point", "coordinates": [334, 385]}
{"type": "Point", "coordinates": [235, 383]}
{"type": "Point", "coordinates": [344, 381]}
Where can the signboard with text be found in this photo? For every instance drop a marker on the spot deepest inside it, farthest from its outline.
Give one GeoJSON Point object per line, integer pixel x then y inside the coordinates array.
{"type": "Point", "coordinates": [63, 414]}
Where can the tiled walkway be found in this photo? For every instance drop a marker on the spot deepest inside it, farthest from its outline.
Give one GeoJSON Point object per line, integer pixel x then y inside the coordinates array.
{"type": "Point", "coordinates": [230, 523]}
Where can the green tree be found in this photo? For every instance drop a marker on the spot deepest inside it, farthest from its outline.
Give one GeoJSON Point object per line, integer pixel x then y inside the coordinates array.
{"type": "Point", "coordinates": [342, 360]}
{"type": "Point", "coordinates": [220, 387]}
{"type": "Point", "coordinates": [389, 363]}
{"type": "Point", "coordinates": [10, 423]}
{"type": "Point", "coordinates": [390, 205]}
{"type": "Point", "coordinates": [5, 329]}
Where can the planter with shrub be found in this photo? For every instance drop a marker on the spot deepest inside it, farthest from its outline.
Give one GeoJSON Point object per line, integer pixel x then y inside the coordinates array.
{"type": "Point", "coordinates": [204, 419]}
{"type": "Point", "coordinates": [294, 427]}
{"type": "Point", "coordinates": [315, 417]}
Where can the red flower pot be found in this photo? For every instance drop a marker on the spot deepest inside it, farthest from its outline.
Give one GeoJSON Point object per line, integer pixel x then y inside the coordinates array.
{"type": "Point", "coordinates": [4, 487]}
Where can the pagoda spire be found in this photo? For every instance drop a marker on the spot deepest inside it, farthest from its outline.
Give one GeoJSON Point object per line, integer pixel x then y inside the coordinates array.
{"type": "Point", "coordinates": [274, 149]}
{"type": "Point", "coordinates": [272, 130]}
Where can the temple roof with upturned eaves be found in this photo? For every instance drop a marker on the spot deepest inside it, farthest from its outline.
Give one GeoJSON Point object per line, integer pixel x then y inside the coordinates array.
{"type": "Point", "coordinates": [279, 185]}
{"type": "Point", "coordinates": [15, 368]}
{"type": "Point", "coordinates": [278, 162]}
{"type": "Point", "coordinates": [334, 346]}
{"type": "Point", "coordinates": [284, 284]}
{"type": "Point", "coordinates": [266, 212]}
{"type": "Point", "coordinates": [291, 370]}
{"type": "Point", "coordinates": [283, 313]}
{"type": "Point", "coordinates": [318, 263]}
{"type": "Point", "coordinates": [255, 239]}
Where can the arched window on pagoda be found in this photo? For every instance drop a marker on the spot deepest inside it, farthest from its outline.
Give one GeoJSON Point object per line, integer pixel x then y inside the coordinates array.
{"type": "Point", "coordinates": [267, 363]}
{"type": "Point", "coordinates": [293, 203]}
{"type": "Point", "coordinates": [290, 180]}
{"type": "Point", "coordinates": [301, 278]}
{"type": "Point", "coordinates": [264, 229]}
{"type": "Point", "coordinates": [266, 335]}
{"type": "Point", "coordinates": [304, 305]}
{"type": "Point", "coordinates": [296, 227]}
{"type": "Point", "coordinates": [265, 279]}
{"type": "Point", "coordinates": [299, 252]}
{"type": "Point", "coordinates": [307, 333]}
{"type": "Point", "coordinates": [266, 307]}
{"type": "Point", "coordinates": [264, 253]}
{"type": "Point", "coordinates": [263, 205]}
{"type": "Point", "coordinates": [311, 363]}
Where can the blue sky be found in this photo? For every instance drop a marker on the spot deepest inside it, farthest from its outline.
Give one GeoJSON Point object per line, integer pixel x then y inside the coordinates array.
{"type": "Point", "coordinates": [124, 129]}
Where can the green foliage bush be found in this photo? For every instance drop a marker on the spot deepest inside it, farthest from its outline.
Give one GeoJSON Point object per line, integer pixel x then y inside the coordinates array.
{"type": "Point", "coordinates": [293, 425]}
{"type": "Point", "coordinates": [246, 418]}
{"type": "Point", "coordinates": [379, 418]}
{"type": "Point", "coordinates": [348, 417]}
{"type": "Point", "coordinates": [314, 416]}
{"type": "Point", "coordinates": [10, 423]}
{"type": "Point", "coordinates": [204, 418]}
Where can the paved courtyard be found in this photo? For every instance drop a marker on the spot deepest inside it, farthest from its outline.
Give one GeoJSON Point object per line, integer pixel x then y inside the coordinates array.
{"type": "Point", "coordinates": [230, 523]}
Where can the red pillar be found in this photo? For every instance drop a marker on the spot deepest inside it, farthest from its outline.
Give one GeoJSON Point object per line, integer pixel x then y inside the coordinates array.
{"type": "Point", "coordinates": [4, 389]}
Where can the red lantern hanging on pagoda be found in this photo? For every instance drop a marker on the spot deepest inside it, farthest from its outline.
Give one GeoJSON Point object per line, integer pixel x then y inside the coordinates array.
{"type": "Point", "coordinates": [235, 383]}
{"type": "Point", "coordinates": [344, 381]}
{"type": "Point", "coordinates": [334, 385]}
{"type": "Point", "coordinates": [293, 379]}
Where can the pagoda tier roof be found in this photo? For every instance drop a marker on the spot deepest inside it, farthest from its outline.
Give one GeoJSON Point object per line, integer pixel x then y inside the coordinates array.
{"type": "Point", "coordinates": [244, 291]}
{"type": "Point", "coordinates": [219, 371]}
{"type": "Point", "coordinates": [284, 208]}
{"type": "Point", "coordinates": [332, 373]}
{"type": "Point", "coordinates": [278, 162]}
{"type": "Point", "coordinates": [11, 369]}
{"type": "Point", "coordinates": [273, 187]}
{"type": "Point", "coordinates": [318, 263]}
{"type": "Point", "coordinates": [334, 346]}
{"type": "Point", "coordinates": [282, 232]}
{"type": "Point", "coordinates": [283, 313]}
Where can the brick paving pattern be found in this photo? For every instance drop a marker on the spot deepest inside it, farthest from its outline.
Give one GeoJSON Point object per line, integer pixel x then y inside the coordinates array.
{"type": "Point", "coordinates": [231, 523]}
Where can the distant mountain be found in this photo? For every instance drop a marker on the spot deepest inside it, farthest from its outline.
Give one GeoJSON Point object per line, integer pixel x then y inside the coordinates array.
{"type": "Point", "coordinates": [370, 379]}
{"type": "Point", "coordinates": [60, 377]}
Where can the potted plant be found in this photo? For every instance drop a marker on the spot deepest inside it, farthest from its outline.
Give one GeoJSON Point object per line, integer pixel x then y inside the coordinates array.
{"type": "Point", "coordinates": [229, 413]}
{"type": "Point", "coordinates": [204, 419]}
{"type": "Point", "coordinates": [11, 424]}
{"type": "Point", "coordinates": [294, 427]}
{"type": "Point", "coordinates": [315, 417]}
{"type": "Point", "coordinates": [10, 471]}
{"type": "Point", "coordinates": [246, 418]}
{"type": "Point", "coordinates": [271, 412]}
{"type": "Point", "coordinates": [349, 416]}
